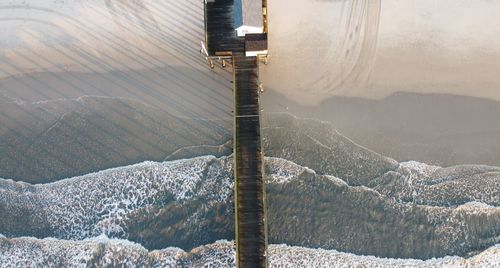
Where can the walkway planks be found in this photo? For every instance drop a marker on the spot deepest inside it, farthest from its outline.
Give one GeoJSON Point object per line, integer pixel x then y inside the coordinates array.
{"type": "Point", "coordinates": [249, 183]}
{"type": "Point", "coordinates": [219, 28]}
{"type": "Point", "coordinates": [222, 40]}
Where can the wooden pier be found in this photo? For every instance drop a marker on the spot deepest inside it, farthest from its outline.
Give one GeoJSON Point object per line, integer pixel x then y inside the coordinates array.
{"type": "Point", "coordinates": [250, 209]}
{"type": "Point", "coordinates": [249, 183]}
{"type": "Point", "coordinates": [219, 29]}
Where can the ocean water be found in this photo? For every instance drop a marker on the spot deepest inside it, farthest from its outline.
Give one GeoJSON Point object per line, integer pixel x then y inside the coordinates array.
{"type": "Point", "coordinates": [115, 136]}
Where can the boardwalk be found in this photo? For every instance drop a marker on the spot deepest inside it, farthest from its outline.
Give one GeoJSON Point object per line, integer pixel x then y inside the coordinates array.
{"type": "Point", "coordinates": [249, 185]}
{"type": "Point", "coordinates": [222, 40]}
{"type": "Point", "coordinates": [219, 28]}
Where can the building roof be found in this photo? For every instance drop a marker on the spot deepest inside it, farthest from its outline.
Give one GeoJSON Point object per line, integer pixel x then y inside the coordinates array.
{"type": "Point", "coordinates": [256, 42]}
{"type": "Point", "coordinates": [248, 12]}
{"type": "Point", "coordinates": [245, 29]}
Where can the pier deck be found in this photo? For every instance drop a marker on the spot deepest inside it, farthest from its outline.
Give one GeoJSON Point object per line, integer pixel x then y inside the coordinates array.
{"type": "Point", "coordinates": [250, 218]}
{"type": "Point", "coordinates": [249, 182]}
